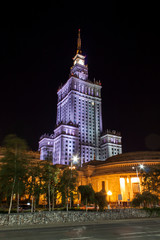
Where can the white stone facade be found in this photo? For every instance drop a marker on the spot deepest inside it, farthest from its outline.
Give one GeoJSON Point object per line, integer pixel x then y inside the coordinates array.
{"type": "Point", "coordinates": [79, 120]}
{"type": "Point", "coordinates": [111, 144]}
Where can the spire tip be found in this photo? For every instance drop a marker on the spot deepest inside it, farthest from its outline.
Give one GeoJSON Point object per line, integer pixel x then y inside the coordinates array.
{"type": "Point", "coordinates": [79, 42]}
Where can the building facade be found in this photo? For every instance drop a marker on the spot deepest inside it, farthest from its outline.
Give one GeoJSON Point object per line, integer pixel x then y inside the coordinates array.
{"type": "Point", "coordinates": [119, 176]}
{"type": "Point", "coordinates": [79, 128]}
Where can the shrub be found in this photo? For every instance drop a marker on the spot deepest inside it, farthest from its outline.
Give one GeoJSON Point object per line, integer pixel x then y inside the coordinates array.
{"type": "Point", "coordinates": [100, 200]}
{"type": "Point", "coordinates": [146, 199]}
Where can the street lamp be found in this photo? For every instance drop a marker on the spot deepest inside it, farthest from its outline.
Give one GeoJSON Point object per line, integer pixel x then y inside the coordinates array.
{"type": "Point", "coordinates": [74, 159]}
{"type": "Point", "coordinates": [140, 166]}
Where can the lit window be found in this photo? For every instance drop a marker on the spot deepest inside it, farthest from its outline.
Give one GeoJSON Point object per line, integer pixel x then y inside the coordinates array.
{"type": "Point", "coordinates": [122, 184]}
{"type": "Point", "coordinates": [134, 179]}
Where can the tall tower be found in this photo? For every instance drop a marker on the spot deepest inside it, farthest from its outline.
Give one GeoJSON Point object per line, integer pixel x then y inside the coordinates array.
{"type": "Point", "coordinates": [79, 103]}
{"type": "Point", "coordinates": [79, 117]}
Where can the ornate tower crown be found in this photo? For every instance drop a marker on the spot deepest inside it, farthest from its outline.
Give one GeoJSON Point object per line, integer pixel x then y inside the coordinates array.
{"type": "Point", "coordinates": [79, 58]}
{"type": "Point", "coordinates": [79, 69]}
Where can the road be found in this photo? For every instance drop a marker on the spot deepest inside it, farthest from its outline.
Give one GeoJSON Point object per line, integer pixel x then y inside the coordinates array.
{"type": "Point", "coordinates": [143, 229]}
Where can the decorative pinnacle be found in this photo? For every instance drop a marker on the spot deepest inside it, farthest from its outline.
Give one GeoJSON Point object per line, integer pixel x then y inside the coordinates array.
{"type": "Point", "coordinates": [79, 42]}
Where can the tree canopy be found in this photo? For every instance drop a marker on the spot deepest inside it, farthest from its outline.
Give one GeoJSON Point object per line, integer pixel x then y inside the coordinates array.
{"type": "Point", "coordinates": [87, 194]}
{"type": "Point", "coordinates": [13, 171]}
{"type": "Point", "coordinates": [100, 200]}
{"type": "Point", "coordinates": [151, 179]}
{"type": "Point", "coordinates": [67, 184]}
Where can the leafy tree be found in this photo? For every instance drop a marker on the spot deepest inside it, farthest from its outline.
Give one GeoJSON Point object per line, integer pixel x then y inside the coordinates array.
{"type": "Point", "coordinates": [35, 183]}
{"type": "Point", "coordinates": [54, 184]}
{"type": "Point", "coordinates": [87, 194]}
{"type": "Point", "coordinates": [50, 179]}
{"type": "Point", "coordinates": [100, 200]}
{"type": "Point", "coordinates": [151, 179]}
{"type": "Point", "coordinates": [67, 184]}
{"type": "Point", "coordinates": [137, 200]}
{"type": "Point", "coordinates": [146, 199]}
{"type": "Point", "coordinates": [13, 171]}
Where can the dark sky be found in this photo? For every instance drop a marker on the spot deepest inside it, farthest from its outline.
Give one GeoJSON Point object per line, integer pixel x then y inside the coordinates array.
{"type": "Point", "coordinates": [122, 48]}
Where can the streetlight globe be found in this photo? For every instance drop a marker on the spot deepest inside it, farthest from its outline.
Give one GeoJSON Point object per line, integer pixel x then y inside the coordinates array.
{"type": "Point", "coordinates": [141, 166]}
{"type": "Point", "coordinates": [109, 193]}
{"type": "Point", "coordinates": [75, 159]}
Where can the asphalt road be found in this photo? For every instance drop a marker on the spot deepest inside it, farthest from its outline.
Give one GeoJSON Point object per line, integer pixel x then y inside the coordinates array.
{"type": "Point", "coordinates": [117, 230]}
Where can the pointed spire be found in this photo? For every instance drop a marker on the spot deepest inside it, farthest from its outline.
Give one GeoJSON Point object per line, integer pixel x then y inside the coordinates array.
{"type": "Point", "coordinates": [79, 42]}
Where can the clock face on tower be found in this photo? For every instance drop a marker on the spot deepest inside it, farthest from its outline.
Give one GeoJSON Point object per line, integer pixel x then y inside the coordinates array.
{"type": "Point", "coordinates": [79, 61]}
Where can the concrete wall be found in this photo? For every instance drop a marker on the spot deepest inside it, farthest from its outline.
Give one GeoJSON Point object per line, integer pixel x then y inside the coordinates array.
{"type": "Point", "coordinates": [71, 216]}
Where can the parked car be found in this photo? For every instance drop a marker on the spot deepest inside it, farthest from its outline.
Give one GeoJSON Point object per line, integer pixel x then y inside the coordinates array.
{"type": "Point", "coordinates": [24, 207]}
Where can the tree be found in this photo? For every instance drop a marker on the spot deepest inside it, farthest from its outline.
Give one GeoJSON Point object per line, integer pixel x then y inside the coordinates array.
{"type": "Point", "coordinates": [35, 183]}
{"type": "Point", "coordinates": [54, 184]}
{"type": "Point", "coordinates": [146, 199]}
{"type": "Point", "coordinates": [100, 200]}
{"type": "Point", "coordinates": [50, 179]}
{"type": "Point", "coordinates": [67, 184]}
{"type": "Point", "coordinates": [13, 171]}
{"type": "Point", "coordinates": [87, 194]}
{"type": "Point", "coordinates": [151, 179]}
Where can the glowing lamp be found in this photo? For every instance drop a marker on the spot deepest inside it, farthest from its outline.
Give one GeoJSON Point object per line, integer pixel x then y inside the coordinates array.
{"type": "Point", "coordinates": [75, 159]}
{"type": "Point", "coordinates": [109, 193]}
{"type": "Point", "coordinates": [73, 167]}
{"type": "Point", "coordinates": [141, 166]}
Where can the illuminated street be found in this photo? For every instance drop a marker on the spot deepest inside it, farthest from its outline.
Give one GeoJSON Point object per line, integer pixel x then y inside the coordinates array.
{"type": "Point", "coordinates": [124, 229]}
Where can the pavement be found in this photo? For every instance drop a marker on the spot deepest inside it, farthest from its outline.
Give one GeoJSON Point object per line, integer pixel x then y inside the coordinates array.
{"type": "Point", "coordinates": [54, 225]}
{"type": "Point", "coordinates": [128, 229]}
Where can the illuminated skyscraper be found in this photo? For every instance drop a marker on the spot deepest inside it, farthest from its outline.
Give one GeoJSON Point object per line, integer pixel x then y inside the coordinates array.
{"type": "Point", "coordinates": [79, 120]}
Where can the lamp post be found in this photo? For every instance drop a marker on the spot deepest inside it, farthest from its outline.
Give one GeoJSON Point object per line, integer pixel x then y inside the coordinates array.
{"type": "Point", "coordinates": [74, 159]}
{"type": "Point", "coordinates": [140, 166]}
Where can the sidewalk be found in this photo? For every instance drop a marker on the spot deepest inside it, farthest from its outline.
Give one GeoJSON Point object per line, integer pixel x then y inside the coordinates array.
{"type": "Point", "coordinates": [55, 225]}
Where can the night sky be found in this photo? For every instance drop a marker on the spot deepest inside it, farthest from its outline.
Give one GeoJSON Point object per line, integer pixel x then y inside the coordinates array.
{"type": "Point", "coordinates": [122, 48]}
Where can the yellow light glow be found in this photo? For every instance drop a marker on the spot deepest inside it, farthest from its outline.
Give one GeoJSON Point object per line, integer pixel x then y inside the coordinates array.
{"type": "Point", "coordinates": [109, 193]}
{"type": "Point", "coordinates": [135, 180]}
{"type": "Point", "coordinates": [127, 180]}
{"type": "Point", "coordinates": [73, 167]}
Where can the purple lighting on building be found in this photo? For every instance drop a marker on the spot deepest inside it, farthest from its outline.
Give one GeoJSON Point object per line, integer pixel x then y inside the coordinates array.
{"type": "Point", "coordinates": [79, 120]}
